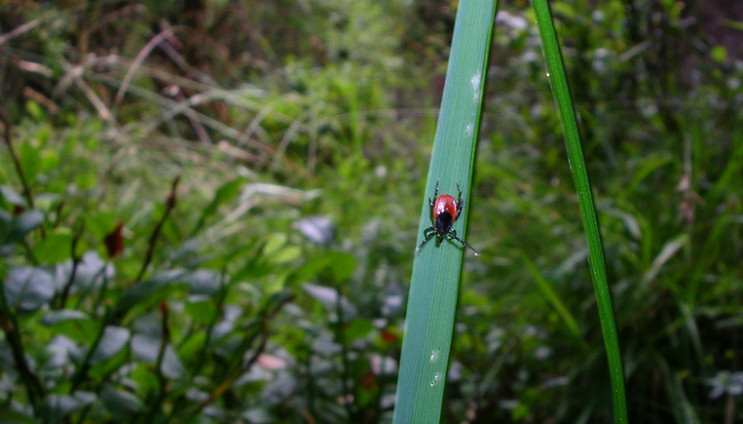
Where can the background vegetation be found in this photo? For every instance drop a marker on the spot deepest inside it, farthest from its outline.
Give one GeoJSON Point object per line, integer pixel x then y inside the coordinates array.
{"type": "Point", "coordinates": [208, 211]}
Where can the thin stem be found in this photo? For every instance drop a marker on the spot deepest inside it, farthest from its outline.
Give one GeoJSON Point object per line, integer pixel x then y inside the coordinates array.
{"type": "Point", "coordinates": [8, 321]}
{"type": "Point", "coordinates": [162, 380]}
{"type": "Point", "coordinates": [16, 161]}
{"type": "Point", "coordinates": [169, 205]}
{"type": "Point", "coordinates": [73, 272]}
{"type": "Point", "coordinates": [341, 335]}
{"type": "Point", "coordinates": [82, 371]}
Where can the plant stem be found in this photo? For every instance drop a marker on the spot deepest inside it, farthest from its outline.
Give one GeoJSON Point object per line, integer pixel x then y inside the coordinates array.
{"type": "Point", "coordinates": [345, 377]}
{"type": "Point", "coordinates": [169, 205]}
{"type": "Point", "coordinates": [16, 161]}
{"type": "Point", "coordinates": [9, 323]}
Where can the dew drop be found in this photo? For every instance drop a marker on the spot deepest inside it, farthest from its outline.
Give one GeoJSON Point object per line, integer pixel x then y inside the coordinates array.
{"type": "Point", "coordinates": [475, 81]}
{"type": "Point", "coordinates": [468, 129]}
{"type": "Point", "coordinates": [435, 380]}
{"type": "Point", "coordinates": [548, 74]}
{"type": "Point", "coordinates": [435, 355]}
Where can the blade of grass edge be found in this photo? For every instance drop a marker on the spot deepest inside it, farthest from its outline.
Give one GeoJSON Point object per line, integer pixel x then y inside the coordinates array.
{"type": "Point", "coordinates": [560, 90]}
{"type": "Point", "coordinates": [551, 296]}
{"type": "Point", "coordinates": [434, 286]}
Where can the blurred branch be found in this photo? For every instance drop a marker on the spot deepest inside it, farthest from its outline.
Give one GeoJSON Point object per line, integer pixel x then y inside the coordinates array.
{"type": "Point", "coordinates": [169, 205]}
{"type": "Point", "coordinates": [164, 341]}
{"type": "Point", "coordinates": [16, 161]}
{"type": "Point", "coordinates": [146, 50]}
{"type": "Point", "coordinates": [219, 304]}
{"type": "Point", "coordinates": [103, 289]}
{"type": "Point", "coordinates": [58, 214]}
{"type": "Point", "coordinates": [76, 73]}
{"type": "Point", "coordinates": [10, 327]}
{"type": "Point", "coordinates": [75, 263]}
{"type": "Point", "coordinates": [19, 30]}
{"type": "Point", "coordinates": [82, 371]}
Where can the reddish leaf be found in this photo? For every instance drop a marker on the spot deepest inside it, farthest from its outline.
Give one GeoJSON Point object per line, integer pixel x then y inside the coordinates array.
{"type": "Point", "coordinates": [114, 241]}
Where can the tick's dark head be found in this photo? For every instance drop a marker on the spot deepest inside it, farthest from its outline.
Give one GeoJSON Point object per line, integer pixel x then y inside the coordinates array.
{"type": "Point", "coordinates": [443, 223]}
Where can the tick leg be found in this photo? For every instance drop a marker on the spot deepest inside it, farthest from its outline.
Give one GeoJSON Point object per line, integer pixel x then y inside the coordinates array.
{"type": "Point", "coordinates": [428, 235]}
{"type": "Point", "coordinates": [453, 236]}
{"type": "Point", "coordinates": [432, 200]}
{"type": "Point", "coordinates": [460, 204]}
{"type": "Point", "coordinates": [435, 195]}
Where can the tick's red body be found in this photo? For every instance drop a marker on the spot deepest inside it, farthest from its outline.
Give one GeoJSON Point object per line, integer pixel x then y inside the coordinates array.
{"type": "Point", "coordinates": [444, 211]}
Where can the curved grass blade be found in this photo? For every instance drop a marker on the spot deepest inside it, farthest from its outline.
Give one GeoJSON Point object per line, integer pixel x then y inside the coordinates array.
{"type": "Point", "coordinates": [561, 92]}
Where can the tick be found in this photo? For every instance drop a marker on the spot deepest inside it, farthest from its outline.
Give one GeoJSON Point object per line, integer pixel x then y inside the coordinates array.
{"type": "Point", "coordinates": [444, 212]}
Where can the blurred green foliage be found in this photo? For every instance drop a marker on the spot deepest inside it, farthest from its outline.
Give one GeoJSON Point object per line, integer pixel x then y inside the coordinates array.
{"type": "Point", "coordinates": [300, 131]}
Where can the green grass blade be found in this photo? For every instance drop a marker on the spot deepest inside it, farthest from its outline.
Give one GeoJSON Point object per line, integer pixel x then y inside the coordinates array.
{"type": "Point", "coordinates": [435, 282]}
{"type": "Point", "coordinates": [551, 296]}
{"type": "Point", "coordinates": [556, 74]}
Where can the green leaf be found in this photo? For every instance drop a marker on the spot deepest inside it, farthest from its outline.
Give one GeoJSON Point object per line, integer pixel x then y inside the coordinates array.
{"type": "Point", "coordinates": [11, 196]}
{"type": "Point", "coordinates": [56, 406]}
{"type": "Point", "coordinates": [343, 265]}
{"type": "Point", "coordinates": [226, 193]}
{"type": "Point", "coordinates": [99, 223]}
{"type": "Point", "coordinates": [204, 282]}
{"type": "Point", "coordinates": [145, 379]}
{"type": "Point", "coordinates": [28, 288]}
{"type": "Point", "coordinates": [683, 409]}
{"type": "Point", "coordinates": [172, 366]}
{"type": "Point", "coordinates": [358, 328]}
{"type": "Point", "coordinates": [146, 348]}
{"type": "Point", "coordinates": [10, 416]}
{"type": "Point", "coordinates": [56, 247]}
{"type": "Point", "coordinates": [30, 161]}
{"type": "Point", "coordinates": [328, 296]}
{"type": "Point", "coordinates": [719, 54]}
{"type": "Point", "coordinates": [667, 252]}
{"type": "Point", "coordinates": [91, 271]}
{"type": "Point", "coordinates": [553, 298]}
{"type": "Point", "coordinates": [286, 254]}
{"type": "Point", "coordinates": [49, 159]}
{"type": "Point", "coordinates": [149, 292]}
{"type": "Point", "coordinates": [434, 287]}
{"type": "Point", "coordinates": [121, 404]}
{"type": "Point", "coordinates": [17, 227]}
{"type": "Point", "coordinates": [274, 242]}
{"type": "Point", "coordinates": [74, 324]}
{"type": "Point", "coordinates": [201, 310]}
{"type": "Point", "coordinates": [35, 110]}
{"type": "Point", "coordinates": [310, 269]}
{"type": "Point", "coordinates": [114, 340]}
